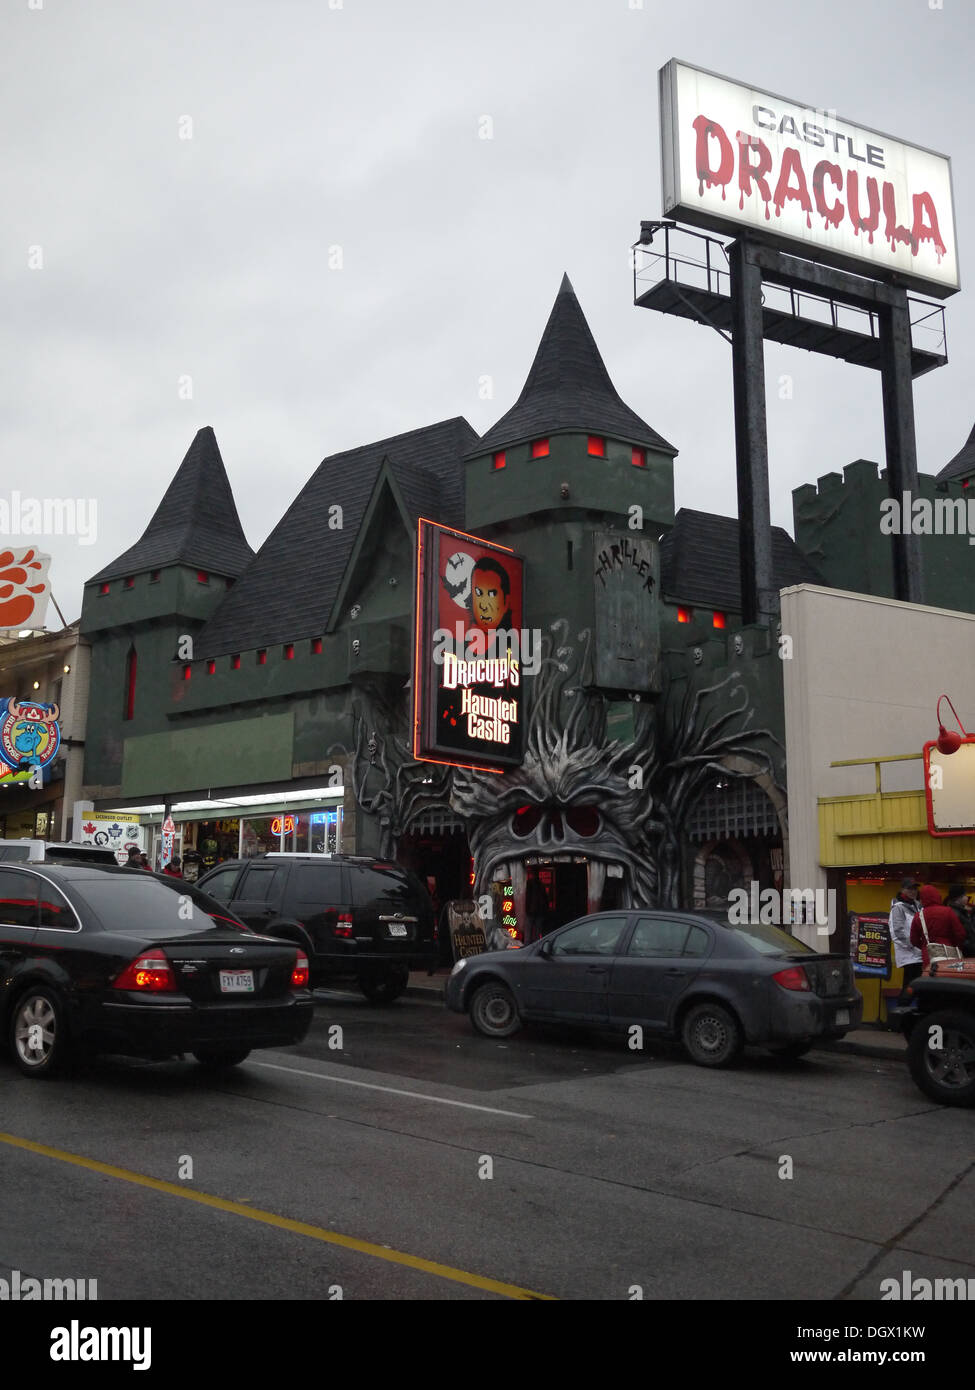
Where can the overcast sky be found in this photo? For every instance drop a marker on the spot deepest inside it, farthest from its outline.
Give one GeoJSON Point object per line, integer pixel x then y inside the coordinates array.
{"type": "Point", "coordinates": [359, 127]}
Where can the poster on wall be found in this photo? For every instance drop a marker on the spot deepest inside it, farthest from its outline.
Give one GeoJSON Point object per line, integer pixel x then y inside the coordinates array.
{"type": "Point", "coordinates": [116, 832]}
{"type": "Point", "coordinates": [468, 667]}
{"type": "Point", "coordinates": [466, 929]}
{"type": "Point", "coordinates": [870, 944]}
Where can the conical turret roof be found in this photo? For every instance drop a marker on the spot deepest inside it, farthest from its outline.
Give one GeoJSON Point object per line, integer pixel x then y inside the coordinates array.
{"type": "Point", "coordinates": [569, 389]}
{"type": "Point", "coordinates": [195, 524]}
{"type": "Point", "coordinates": [963, 464]}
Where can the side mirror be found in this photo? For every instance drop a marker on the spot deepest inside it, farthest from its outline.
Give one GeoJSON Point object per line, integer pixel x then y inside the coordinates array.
{"type": "Point", "coordinates": [545, 949]}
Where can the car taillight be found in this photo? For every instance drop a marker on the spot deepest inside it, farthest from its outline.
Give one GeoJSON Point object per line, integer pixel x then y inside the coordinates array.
{"type": "Point", "coordinates": [793, 978]}
{"type": "Point", "coordinates": [149, 974]}
{"type": "Point", "coordinates": [343, 926]}
{"type": "Point", "coordinates": [300, 974]}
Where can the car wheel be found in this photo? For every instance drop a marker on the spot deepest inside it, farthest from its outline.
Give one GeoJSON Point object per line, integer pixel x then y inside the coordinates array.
{"type": "Point", "coordinates": [792, 1051]}
{"type": "Point", "coordinates": [222, 1056]}
{"type": "Point", "coordinates": [945, 1072]}
{"type": "Point", "coordinates": [384, 988]}
{"type": "Point", "coordinates": [493, 1011]}
{"type": "Point", "coordinates": [712, 1036]}
{"type": "Point", "coordinates": [38, 1033]}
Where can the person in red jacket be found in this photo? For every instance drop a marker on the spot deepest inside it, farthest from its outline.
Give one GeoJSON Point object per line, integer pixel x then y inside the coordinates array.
{"type": "Point", "coordinates": [941, 922]}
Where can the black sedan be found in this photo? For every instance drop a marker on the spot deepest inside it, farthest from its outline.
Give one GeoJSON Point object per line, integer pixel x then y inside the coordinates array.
{"type": "Point", "coordinates": [689, 976]}
{"type": "Point", "coordinates": [103, 959]}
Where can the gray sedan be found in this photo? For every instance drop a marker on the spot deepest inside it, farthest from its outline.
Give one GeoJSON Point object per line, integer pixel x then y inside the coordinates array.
{"type": "Point", "coordinates": [689, 976]}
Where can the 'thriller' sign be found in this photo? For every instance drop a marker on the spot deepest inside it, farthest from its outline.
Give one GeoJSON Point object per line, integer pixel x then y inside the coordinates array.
{"type": "Point", "coordinates": [736, 159]}
{"type": "Point", "coordinates": [468, 673]}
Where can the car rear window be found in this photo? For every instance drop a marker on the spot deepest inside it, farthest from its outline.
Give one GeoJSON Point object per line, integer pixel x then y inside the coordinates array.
{"type": "Point", "coordinates": [318, 885]}
{"type": "Point", "coordinates": [385, 884]}
{"type": "Point", "coordinates": [771, 941]}
{"type": "Point", "coordinates": [126, 901]}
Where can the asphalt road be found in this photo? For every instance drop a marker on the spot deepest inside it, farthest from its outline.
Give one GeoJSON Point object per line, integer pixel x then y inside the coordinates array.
{"type": "Point", "coordinates": [405, 1158]}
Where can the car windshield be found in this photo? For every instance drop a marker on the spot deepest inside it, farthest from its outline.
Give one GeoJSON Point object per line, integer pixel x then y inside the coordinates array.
{"type": "Point", "coordinates": [771, 941]}
{"type": "Point", "coordinates": [127, 901]}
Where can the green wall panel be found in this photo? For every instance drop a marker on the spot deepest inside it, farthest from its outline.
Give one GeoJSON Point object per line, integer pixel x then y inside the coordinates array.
{"type": "Point", "coordinates": [221, 755]}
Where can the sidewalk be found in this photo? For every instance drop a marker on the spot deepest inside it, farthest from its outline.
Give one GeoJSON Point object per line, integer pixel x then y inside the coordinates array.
{"type": "Point", "coordinates": [872, 1040]}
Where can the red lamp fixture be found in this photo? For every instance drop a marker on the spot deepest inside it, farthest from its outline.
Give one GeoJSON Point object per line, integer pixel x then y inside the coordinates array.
{"type": "Point", "coordinates": [948, 741]}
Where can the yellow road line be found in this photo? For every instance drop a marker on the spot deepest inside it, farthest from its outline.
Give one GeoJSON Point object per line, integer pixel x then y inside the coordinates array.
{"type": "Point", "coordinates": [269, 1218]}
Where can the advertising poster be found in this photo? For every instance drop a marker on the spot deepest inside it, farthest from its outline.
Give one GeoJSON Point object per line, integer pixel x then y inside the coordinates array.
{"type": "Point", "coordinates": [870, 944]}
{"type": "Point", "coordinates": [466, 929]}
{"type": "Point", "coordinates": [468, 669]}
{"type": "Point", "coordinates": [115, 832]}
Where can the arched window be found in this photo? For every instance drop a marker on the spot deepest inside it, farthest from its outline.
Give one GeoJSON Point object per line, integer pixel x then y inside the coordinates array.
{"type": "Point", "coordinates": [131, 662]}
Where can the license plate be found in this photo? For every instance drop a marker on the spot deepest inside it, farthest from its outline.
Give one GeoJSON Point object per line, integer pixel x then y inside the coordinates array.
{"type": "Point", "coordinates": [397, 929]}
{"type": "Point", "coordinates": [236, 982]}
{"type": "Point", "coordinates": [842, 1015]}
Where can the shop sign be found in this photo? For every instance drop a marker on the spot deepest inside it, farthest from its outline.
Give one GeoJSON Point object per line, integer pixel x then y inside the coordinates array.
{"type": "Point", "coordinates": [870, 944]}
{"type": "Point", "coordinates": [283, 825]}
{"type": "Point", "coordinates": [466, 928]}
{"type": "Point", "coordinates": [30, 737]}
{"type": "Point", "coordinates": [25, 588]}
{"type": "Point", "coordinates": [469, 663]}
{"type": "Point", "coordinates": [117, 832]}
{"type": "Point", "coordinates": [949, 788]}
{"type": "Point", "coordinates": [737, 159]}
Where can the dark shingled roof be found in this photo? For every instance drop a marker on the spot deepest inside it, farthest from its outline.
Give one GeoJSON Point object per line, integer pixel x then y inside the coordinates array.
{"type": "Point", "coordinates": [568, 389]}
{"type": "Point", "coordinates": [963, 464]}
{"type": "Point", "coordinates": [289, 589]}
{"type": "Point", "coordinates": [699, 561]}
{"type": "Point", "coordinates": [195, 524]}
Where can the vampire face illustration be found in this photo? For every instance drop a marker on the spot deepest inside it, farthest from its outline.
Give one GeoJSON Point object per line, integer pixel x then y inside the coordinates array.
{"type": "Point", "coordinates": [490, 594]}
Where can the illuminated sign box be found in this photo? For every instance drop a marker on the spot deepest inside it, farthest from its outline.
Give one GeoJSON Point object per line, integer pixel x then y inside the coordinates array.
{"type": "Point", "coordinates": [468, 680]}
{"type": "Point", "coordinates": [737, 159]}
{"type": "Point", "coordinates": [949, 789]}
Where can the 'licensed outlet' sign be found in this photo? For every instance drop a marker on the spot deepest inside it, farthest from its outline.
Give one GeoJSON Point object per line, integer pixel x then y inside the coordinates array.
{"type": "Point", "coordinates": [735, 158]}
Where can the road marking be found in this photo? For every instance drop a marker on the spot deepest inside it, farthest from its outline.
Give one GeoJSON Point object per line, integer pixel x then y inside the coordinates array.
{"type": "Point", "coordinates": [392, 1090]}
{"type": "Point", "coordinates": [270, 1218]}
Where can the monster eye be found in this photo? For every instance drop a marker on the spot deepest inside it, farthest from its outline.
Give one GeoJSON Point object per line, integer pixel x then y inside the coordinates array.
{"type": "Point", "coordinates": [584, 820]}
{"type": "Point", "coordinates": [525, 820]}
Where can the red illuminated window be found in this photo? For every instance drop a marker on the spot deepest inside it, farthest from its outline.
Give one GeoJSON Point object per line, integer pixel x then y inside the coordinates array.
{"type": "Point", "coordinates": [684, 615]}
{"type": "Point", "coordinates": [638, 458]}
{"type": "Point", "coordinates": [105, 588]}
{"type": "Point", "coordinates": [262, 658]}
{"type": "Point", "coordinates": [202, 577]}
{"type": "Point", "coordinates": [211, 668]}
{"type": "Point", "coordinates": [316, 646]}
{"type": "Point", "coordinates": [129, 582]}
{"type": "Point", "coordinates": [539, 448]}
{"type": "Point", "coordinates": [187, 672]}
{"type": "Point", "coordinates": [597, 446]}
{"type": "Point", "coordinates": [154, 577]}
{"type": "Point", "coordinates": [719, 620]}
{"type": "Point", "coordinates": [966, 482]}
{"type": "Point", "coordinates": [499, 459]}
{"type": "Point", "coordinates": [235, 662]}
{"type": "Point", "coordinates": [289, 652]}
{"type": "Point", "coordinates": [229, 583]}
{"type": "Point", "coordinates": [130, 668]}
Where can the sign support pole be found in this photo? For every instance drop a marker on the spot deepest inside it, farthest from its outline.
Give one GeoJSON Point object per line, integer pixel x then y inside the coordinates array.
{"type": "Point", "coordinates": [901, 445]}
{"type": "Point", "coordinates": [758, 595]}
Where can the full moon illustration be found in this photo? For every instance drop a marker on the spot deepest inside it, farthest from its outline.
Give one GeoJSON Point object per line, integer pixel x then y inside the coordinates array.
{"type": "Point", "coordinates": [457, 578]}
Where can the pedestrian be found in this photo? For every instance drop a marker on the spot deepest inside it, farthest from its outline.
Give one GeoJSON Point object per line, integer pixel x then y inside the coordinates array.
{"type": "Point", "coordinates": [144, 864]}
{"type": "Point", "coordinates": [957, 899]}
{"type": "Point", "coordinates": [903, 910]}
{"type": "Point", "coordinates": [935, 923]}
{"type": "Point", "coordinates": [173, 869]}
{"type": "Point", "coordinates": [135, 858]}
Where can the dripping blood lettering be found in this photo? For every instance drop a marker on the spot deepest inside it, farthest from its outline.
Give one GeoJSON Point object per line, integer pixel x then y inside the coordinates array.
{"type": "Point", "coordinates": [841, 197]}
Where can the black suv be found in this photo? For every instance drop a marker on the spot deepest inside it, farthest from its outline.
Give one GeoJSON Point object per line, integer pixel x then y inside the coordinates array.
{"type": "Point", "coordinates": [355, 917]}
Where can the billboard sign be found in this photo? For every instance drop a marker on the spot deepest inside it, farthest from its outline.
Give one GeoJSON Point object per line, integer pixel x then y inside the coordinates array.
{"type": "Point", "coordinates": [468, 673]}
{"type": "Point", "coordinates": [949, 788]}
{"type": "Point", "coordinates": [737, 159]}
{"type": "Point", "coordinates": [115, 830]}
{"type": "Point", "coordinates": [25, 589]}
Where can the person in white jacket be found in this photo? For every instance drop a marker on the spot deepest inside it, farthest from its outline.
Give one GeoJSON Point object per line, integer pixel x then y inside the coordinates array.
{"type": "Point", "coordinates": [903, 910]}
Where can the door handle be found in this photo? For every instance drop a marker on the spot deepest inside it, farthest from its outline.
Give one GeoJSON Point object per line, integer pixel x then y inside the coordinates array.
{"type": "Point", "coordinates": [675, 972]}
{"type": "Point", "coordinates": [597, 970]}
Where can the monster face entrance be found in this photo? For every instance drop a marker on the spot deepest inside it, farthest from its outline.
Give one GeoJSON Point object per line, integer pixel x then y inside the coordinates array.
{"type": "Point", "coordinates": [558, 890]}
